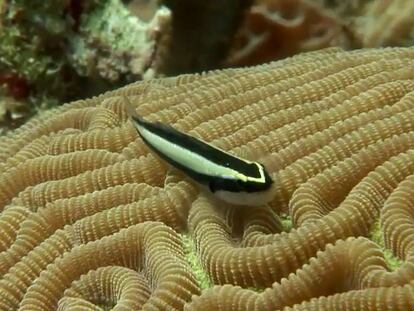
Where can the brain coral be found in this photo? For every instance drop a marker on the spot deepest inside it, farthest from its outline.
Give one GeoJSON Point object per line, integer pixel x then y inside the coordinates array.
{"type": "Point", "coordinates": [385, 23]}
{"type": "Point", "coordinates": [91, 220]}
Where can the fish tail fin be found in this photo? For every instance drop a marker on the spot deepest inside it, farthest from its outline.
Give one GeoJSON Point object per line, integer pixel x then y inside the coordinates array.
{"type": "Point", "coordinates": [130, 110]}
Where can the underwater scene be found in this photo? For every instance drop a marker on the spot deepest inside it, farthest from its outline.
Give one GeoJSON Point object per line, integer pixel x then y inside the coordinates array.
{"type": "Point", "coordinates": [206, 155]}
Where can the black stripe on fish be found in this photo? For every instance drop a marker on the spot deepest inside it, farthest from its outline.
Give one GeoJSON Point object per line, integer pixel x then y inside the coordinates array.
{"type": "Point", "coordinates": [204, 163]}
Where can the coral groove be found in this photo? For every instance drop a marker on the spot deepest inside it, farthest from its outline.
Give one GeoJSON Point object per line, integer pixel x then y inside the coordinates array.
{"type": "Point", "coordinates": [92, 220]}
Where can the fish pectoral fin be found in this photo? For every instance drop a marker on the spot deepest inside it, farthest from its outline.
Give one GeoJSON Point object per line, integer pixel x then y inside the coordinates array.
{"type": "Point", "coordinates": [212, 187]}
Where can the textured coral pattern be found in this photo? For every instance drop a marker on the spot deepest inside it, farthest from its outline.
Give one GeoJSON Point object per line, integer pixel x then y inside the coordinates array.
{"type": "Point", "coordinates": [91, 220]}
{"type": "Point", "coordinates": [273, 29]}
{"type": "Point", "coordinates": [385, 23]}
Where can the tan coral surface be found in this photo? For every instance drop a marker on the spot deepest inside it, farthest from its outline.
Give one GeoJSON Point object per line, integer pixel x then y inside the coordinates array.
{"type": "Point", "coordinates": [385, 23]}
{"type": "Point", "coordinates": [90, 219]}
{"type": "Point", "coordinates": [274, 29]}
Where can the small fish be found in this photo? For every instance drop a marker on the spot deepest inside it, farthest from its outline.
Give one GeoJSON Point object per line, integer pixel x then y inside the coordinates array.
{"type": "Point", "coordinates": [226, 176]}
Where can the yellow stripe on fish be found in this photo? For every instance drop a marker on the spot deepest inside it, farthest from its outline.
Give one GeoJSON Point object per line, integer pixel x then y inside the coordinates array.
{"type": "Point", "coordinates": [232, 179]}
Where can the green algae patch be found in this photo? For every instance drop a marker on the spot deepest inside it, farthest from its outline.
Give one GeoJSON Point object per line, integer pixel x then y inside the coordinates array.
{"type": "Point", "coordinates": [376, 235]}
{"type": "Point", "coordinates": [287, 223]}
{"type": "Point", "coordinates": [191, 256]}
